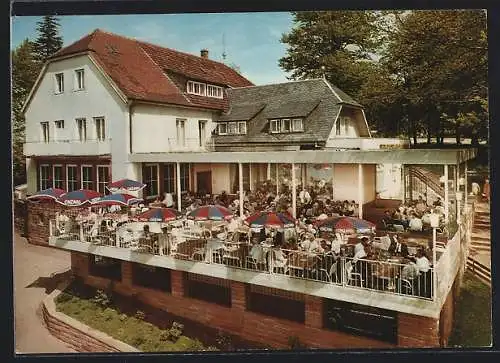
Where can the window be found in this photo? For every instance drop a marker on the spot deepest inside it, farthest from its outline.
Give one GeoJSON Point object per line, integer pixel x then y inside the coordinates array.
{"type": "Point", "coordinates": [222, 128]}
{"type": "Point", "coordinates": [277, 303]}
{"type": "Point", "coordinates": [59, 124]}
{"type": "Point", "coordinates": [360, 319]}
{"type": "Point", "coordinates": [286, 125]}
{"type": "Point", "coordinates": [71, 177]}
{"type": "Point", "coordinates": [59, 80]}
{"type": "Point", "coordinates": [87, 182]}
{"type": "Point", "coordinates": [202, 131]}
{"type": "Point", "coordinates": [233, 128]}
{"type": "Point", "coordinates": [242, 127]}
{"type": "Point", "coordinates": [151, 276]}
{"type": "Point", "coordinates": [81, 125]}
{"type": "Point", "coordinates": [184, 177]}
{"type": "Point", "coordinates": [214, 91]}
{"type": "Point", "coordinates": [275, 126]}
{"type": "Point", "coordinates": [150, 178]}
{"type": "Point", "coordinates": [196, 88]}
{"type": "Point", "coordinates": [102, 178]}
{"type": "Point", "coordinates": [168, 178]}
{"type": "Point", "coordinates": [210, 289]}
{"type": "Point", "coordinates": [79, 79]}
{"type": "Point", "coordinates": [181, 132]}
{"type": "Point", "coordinates": [58, 177]}
{"type": "Point", "coordinates": [297, 125]}
{"type": "Point", "coordinates": [342, 127]}
{"type": "Point", "coordinates": [105, 267]}
{"type": "Point", "coordinates": [45, 177]}
{"type": "Point", "coordinates": [45, 131]}
{"type": "Point", "coordinates": [100, 128]}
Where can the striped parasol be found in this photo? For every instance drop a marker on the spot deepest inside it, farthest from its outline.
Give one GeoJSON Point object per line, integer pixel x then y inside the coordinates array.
{"type": "Point", "coordinates": [210, 212]}
{"type": "Point", "coordinates": [345, 225]}
{"type": "Point", "coordinates": [116, 199]}
{"type": "Point", "coordinates": [125, 185]}
{"type": "Point", "coordinates": [158, 215]}
{"type": "Point", "coordinates": [271, 220]}
{"type": "Point", "coordinates": [78, 197]}
{"type": "Point", "coordinates": [47, 194]}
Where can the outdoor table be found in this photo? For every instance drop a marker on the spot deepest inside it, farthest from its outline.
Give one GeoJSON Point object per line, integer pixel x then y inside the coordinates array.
{"type": "Point", "coordinates": [387, 270]}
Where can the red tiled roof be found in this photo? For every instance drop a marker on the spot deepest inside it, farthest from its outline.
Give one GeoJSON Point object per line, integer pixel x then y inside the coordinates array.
{"type": "Point", "coordinates": [138, 68]}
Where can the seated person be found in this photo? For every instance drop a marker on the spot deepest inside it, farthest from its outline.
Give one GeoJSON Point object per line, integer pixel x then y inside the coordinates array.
{"type": "Point", "coordinates": [397, 248]}
{"type": "Point", "coordinates": [421, 262]}
{"type": "Point", "coordinates": [145, 232]}
{"type": "Point", "coordinates": [387, 219]}
{"type": "Point", "coordinates": [310, 244]}
{"type": "Point", "coordinates": [415, 224]}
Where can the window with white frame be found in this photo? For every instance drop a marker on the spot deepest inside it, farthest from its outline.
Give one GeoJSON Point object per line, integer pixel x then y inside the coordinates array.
{"type": "Point", "coordinates": [286, 125]}
{"type": "Point", "coordinates": [204, 89]}
{"type": "Point", "coordinates": [71, 178]}
{"type": "Point", "coordinates": [59, 83]}
{"type": "Point", "coordinates": [87, 180]}
{"type": "Point", "coordinates": [45, 129]}
{"type": "Point", "coordinates": [232, 128]}
{"type": "Point", "coordinates": [222, 128]}
{"type": "Point", "coordinates": [102, 178]}
{"type": "Point", "coordinates": [45, 177]}
{"type": "Point", "coordinates": [297, 125]}
{"type": "Point", "coordinates": [168, 178]}
{"type": "Point", "coordinates": [184, 177]}
{"type": "Point", "coordinates": [79, 79]}
{"type": "Point", "coordinates": [100, 128]}
{"type": "Point", "coordinates": [181, 132]}
{"type": "Point", "coordinates": [242, 127]}
{"type": "Point", "coordinates": [214, 91]}
{"type": "Point", "coordinates": [59, 124]}
{"type": "Point", "coordinates": [275, 126]}
{"type": "Point", "coordinates": [202, 132]}
{"type": "Point", "coordinates": [196, 88]}
{"type": "Point", "coordinates": [58, 176]}
{"type": "Point", "coordinates": [342, 126]}
{"type": "Point", "coordinates": [81, 125]}
{"type": "Point", "coordinates": [150, 178]}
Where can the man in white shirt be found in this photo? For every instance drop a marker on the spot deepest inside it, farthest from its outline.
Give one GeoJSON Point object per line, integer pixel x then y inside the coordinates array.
{"type": "Point", "coordinates": [304, 196]}
{"type": "Point", "coordinates": [421, 262]}
{"type": "Point", "coordinates": [168, 200]}
{"type": "Point", "coordinates": [415, 224]}
{"type": "Point", "coordinates": [359, 249]}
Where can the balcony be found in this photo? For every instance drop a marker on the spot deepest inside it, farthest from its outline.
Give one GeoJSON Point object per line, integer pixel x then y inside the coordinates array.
{"type": "Point", "coordinates": [67, 147]}
{"type": "Point", "coordinates": [168, 145]}
{"type": "Point", "coordinates": [366, 143]}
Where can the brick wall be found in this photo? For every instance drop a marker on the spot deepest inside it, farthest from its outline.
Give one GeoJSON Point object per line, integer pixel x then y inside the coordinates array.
{"type": "Point", "coordinates": [446, 317]}
{"type": "Point", "coordinates": [417, 331]}
{"type": "Point", "coordinates": [236, 319]}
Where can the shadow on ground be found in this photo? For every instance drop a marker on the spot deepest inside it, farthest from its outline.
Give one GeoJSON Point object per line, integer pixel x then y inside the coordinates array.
{"type": "Point", "coordinates": [50, 283]}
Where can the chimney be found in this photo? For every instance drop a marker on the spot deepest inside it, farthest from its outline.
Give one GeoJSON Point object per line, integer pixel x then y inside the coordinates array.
{"type": "Point", "coordinates": [204, 53]}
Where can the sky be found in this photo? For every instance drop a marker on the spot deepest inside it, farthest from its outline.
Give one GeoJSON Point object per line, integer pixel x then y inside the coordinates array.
{"type": "Point", "coordinates": [252, 40]}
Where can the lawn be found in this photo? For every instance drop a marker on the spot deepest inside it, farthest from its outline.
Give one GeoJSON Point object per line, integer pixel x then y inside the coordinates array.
{"type": "Point", "coordinates": [101, 315]}
{"type": "Point", "coordinates": [472, 326]}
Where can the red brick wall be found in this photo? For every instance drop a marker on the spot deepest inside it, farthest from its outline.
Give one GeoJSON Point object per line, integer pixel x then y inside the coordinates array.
{"type": "Point", "coordinates": [446, 318]}
{"type": "Point", "coordinates": [417, 331]}
{"type": "Point", "coordinates": [236, 320]}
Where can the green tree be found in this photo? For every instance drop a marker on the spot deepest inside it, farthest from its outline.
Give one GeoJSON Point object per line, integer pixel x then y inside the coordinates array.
{"type": "Point", "coordinates": [25, 69]}
{"type": "Point", "coordinates": [49, 40]}
{"type": "Point", "coordinates": [337, 44]}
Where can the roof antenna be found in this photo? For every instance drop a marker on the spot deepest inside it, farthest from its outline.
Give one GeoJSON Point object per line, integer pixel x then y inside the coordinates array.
{"type": "Point", "coordinates": [224, 48]}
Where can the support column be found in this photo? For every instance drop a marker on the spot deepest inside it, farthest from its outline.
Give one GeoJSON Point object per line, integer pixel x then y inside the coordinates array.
{"type": "Point", "coordinates": [240, 183]}
{"type": "Point", "coordinates": [314, 311]}
{"type": "Point", "coordinates": [403, 182]}
{"type": "Point", "coordinates": [127, 273]}
{"type": "Point", "coordinates": [294, 193]}
{"type": "Point", "coordinates": [250, 177]}
{"type": "Point", "coordinates": [446, 195]}
{"type": "Point", "coordinates": [178, 180]}
{"type": "Point", "coordinates": [465, 186]}
{"type": "Point", "coordinates": [361, 191]}
{"type": "Point", "coordinates": [177, 283]}
{"type": "Point", "coordinates": [333, 182]}
{"type": "Point", "coordinates": [268, 171]}
{"type": "Point", "coordinates": [277, 180]}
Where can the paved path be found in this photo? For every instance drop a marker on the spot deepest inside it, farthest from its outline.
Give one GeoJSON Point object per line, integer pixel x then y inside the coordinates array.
{"type": "Point", "coordinates": [33, 267]}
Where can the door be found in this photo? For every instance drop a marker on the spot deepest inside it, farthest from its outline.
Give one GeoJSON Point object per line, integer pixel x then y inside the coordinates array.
{"type": "Point", "coordinates": [202, 132]}
{"type": "Point", "coordinates": [204, 182]}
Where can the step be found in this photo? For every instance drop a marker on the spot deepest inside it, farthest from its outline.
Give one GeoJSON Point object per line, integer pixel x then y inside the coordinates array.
{"type": "Point", "coordinates": [485, 279]}
{"type": "Point", "coordinates": [478, 272]}
{"type": "Point", "coordinates": [478, 265]}
{"type": "Point", "coordinates": [477, 242]}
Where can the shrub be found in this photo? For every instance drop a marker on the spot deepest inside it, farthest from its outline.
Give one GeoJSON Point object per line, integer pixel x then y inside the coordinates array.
{"type": "Point", "coordinates": [139, 315]}
{"type": "Point", "coordinates": [175, 332]}
{"type": "Point", "coordinates": [101, 299]}
{"type": "Point", "coordinates": [123, 317]}
{"type": "Point", "coordinates": [64, 297]}
{"type": "Point", "coordinates": [137, 341]}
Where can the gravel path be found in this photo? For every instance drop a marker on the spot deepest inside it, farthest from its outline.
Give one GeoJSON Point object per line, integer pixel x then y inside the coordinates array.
{"type": "Point", "coordinates": [37, 271]}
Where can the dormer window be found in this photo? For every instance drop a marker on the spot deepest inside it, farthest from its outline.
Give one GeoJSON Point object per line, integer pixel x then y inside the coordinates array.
{"type": "Point", "coordinates": [203, 89]}
{"type": "Point", "coordinates": [285, 125]}
{"type": "Point", "coordinates": [232, 128]}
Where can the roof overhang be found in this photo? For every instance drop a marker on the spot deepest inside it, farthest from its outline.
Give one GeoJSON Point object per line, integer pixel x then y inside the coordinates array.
{"type": "Point", "coordinates": [398, 156]}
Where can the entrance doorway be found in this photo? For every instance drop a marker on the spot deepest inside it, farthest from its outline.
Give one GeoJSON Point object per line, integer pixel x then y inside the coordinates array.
{"type": "Point", "coordinates": [204, 182]}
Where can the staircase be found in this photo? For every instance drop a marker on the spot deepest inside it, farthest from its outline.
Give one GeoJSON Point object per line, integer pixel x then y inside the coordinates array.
{"type": "Point", "coordinates": [424, 181]}
{"type": "Point", "coordinates": [479, 259]}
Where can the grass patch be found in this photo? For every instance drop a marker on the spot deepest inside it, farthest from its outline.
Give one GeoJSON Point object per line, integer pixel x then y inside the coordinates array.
{"type": "Point", "coordinates": [133, 330]}
{"type": "Point", "coordinates": [472, 327]}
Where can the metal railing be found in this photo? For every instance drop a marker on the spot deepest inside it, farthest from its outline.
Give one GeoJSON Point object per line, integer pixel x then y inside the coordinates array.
{"type": "Point", "coordinates": [389, 276]}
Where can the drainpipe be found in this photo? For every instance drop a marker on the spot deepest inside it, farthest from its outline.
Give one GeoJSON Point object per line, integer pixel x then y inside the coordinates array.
{"type": "Point", "coordinates": [130, 112]}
